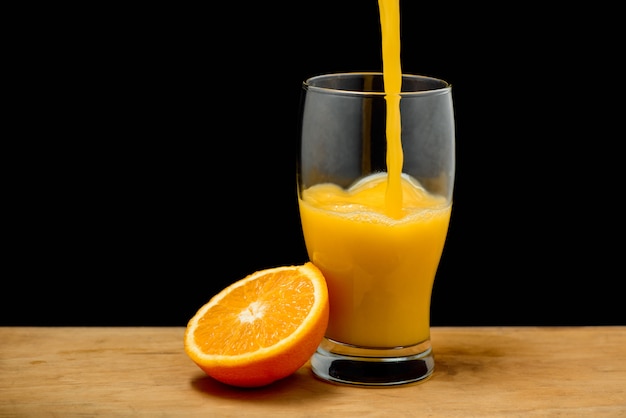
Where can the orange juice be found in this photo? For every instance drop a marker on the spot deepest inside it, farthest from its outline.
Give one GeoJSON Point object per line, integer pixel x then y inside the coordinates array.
{"type": "Point", "coordinates": [379, 242]}
{"type": "Point", "coordinates": [380, 270]}
{"type": "Point", "coordinates": [392, 79]}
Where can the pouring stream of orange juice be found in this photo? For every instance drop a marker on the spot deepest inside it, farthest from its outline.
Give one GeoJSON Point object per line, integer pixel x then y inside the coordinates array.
{"type": "Point", "coordinates": [392, 79]}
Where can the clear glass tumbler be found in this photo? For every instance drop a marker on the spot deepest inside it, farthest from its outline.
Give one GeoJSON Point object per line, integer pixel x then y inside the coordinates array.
{"type": "Point", "coordinates": [375, 219]}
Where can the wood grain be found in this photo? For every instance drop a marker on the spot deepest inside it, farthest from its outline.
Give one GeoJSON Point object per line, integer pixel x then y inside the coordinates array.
{"type": "Point", "coordinates": [485, 372]}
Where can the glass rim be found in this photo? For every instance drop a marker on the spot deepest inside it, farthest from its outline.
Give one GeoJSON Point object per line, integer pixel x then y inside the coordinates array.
{"type": "Point", "coordinates": [442, 88]}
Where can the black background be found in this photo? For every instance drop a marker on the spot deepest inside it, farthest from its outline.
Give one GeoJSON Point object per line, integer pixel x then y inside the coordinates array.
{"type": "Point", "coordinates": [150, 161]}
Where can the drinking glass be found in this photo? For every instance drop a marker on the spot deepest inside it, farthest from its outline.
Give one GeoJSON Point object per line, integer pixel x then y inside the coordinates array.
{"type": "Point", "coordinates": [379, 263]}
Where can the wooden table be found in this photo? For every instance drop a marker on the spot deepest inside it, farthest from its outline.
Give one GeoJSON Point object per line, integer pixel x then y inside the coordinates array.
{"type": "Point", "coordinates": [480, 371]}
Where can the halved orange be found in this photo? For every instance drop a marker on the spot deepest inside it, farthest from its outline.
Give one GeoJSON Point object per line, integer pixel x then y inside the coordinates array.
{"type": "Point", "coordinates": [261, 328]}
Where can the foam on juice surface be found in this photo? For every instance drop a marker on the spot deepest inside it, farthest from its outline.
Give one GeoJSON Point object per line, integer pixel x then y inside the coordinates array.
{"type": "Point", "coordinates": [366, 200]}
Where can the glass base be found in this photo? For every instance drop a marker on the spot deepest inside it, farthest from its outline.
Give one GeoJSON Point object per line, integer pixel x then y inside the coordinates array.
{"type": "Point", "coordinates": [357, 366]}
